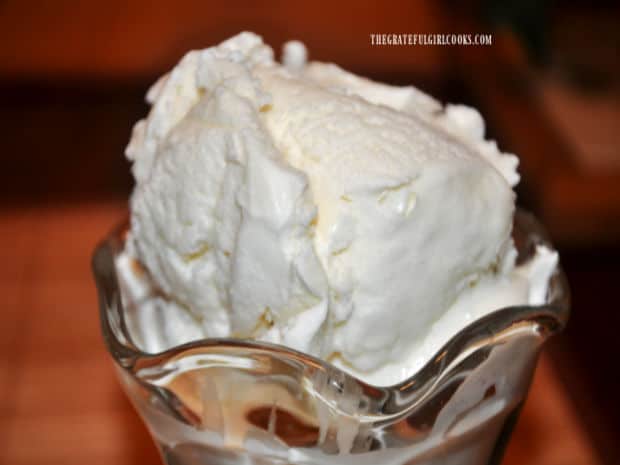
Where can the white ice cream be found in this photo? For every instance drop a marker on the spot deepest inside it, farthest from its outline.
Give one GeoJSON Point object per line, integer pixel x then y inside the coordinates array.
{"type": "Point", "coordinates": [303, 205]}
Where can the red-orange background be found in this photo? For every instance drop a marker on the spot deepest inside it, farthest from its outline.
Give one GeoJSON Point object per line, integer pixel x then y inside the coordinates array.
{"type": "Point", "coordinates": [72, 79]}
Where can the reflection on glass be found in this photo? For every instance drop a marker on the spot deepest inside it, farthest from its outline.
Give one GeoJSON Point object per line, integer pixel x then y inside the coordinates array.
{"type": "Point", "coordinates": [226, 401]}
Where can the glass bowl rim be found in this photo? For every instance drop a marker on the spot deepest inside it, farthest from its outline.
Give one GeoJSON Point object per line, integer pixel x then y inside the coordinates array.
{"type": "Point", "coordinates": [545, 320]}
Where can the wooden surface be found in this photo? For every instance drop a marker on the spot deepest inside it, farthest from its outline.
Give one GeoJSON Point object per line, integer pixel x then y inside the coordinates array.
{"type": "Point", "coordinates": [60, 401]}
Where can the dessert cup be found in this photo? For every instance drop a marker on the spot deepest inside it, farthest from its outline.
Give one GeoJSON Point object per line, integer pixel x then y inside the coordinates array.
{"type": "Point", "coordinates": [230, 401]}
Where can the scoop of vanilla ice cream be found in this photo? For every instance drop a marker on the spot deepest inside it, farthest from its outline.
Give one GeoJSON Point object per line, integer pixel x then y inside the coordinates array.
{"type": "Point", "coordinates": [303, 205]}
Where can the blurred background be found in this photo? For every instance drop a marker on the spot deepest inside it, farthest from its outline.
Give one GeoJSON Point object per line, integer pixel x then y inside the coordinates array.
{"type": "Point", "coordinates": [73, 76]}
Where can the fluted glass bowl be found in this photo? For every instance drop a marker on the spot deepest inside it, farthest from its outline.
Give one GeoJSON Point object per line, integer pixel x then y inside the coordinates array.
{"type": "Point", "coordinates": [230, 401]}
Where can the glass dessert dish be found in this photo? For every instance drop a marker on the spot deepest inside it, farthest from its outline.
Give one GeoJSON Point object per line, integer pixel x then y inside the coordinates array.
{"type": "Point", "coordinates": [230, 401]}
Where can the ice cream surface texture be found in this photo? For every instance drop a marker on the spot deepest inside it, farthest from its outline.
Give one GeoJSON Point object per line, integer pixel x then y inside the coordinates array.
{"type": "Point", "coordinates": [303, 205]}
